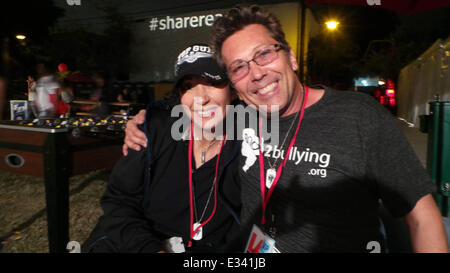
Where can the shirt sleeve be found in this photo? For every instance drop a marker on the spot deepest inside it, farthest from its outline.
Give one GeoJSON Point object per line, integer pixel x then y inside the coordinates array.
{"type": "Point", "coordinates": [400, 178]}
{"type": "Point", "coordinates": [124, 220]}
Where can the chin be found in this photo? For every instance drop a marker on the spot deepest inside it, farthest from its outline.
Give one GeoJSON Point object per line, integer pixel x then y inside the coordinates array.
{"type": "Point", "coordinates": [271, 106]}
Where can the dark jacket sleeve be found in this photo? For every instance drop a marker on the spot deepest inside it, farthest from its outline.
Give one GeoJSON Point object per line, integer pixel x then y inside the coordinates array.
{"type": "Point", "coordinates": [124, 221]}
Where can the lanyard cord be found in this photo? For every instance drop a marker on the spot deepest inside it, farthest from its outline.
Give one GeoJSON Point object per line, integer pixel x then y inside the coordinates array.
{"type": "Point", "coordinates": [265, 200]}
{"type": "Point", "coordinates": [191, 228]}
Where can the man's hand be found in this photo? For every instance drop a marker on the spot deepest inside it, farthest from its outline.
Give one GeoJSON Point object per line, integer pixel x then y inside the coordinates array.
{"type": "Point", "coordinates": [134, 137]}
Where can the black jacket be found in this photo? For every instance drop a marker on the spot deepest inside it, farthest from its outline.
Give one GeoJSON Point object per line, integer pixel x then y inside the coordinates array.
{"type": "Point", "coordinates": [147, 197]}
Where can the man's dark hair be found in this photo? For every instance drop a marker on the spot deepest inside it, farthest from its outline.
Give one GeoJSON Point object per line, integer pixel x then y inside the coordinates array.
{"type": "Point", "coordinates": [239, 17]}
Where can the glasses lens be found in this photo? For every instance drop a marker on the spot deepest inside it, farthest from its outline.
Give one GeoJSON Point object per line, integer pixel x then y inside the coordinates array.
{"type": "Point", "coordinates": [262, 57]}
{"type": "Point", "coordinates": [238, 70]}
{"type": "Point", "coordinates": [266, 56]}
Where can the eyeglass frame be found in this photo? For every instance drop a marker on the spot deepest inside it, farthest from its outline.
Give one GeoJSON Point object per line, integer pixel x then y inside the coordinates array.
{"type": "Point", "coordinates": [278, 47]}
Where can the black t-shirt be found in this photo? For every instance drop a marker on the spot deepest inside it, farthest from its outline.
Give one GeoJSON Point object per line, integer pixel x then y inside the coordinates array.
{"type": "Point", "coordinates": [348, 154]}
{"type": "Point", "coordinates": [169, 198]}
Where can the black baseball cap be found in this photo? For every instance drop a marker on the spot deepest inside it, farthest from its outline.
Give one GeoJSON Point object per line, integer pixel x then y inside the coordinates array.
{"type": "Point", "coordinates": [198, 59]}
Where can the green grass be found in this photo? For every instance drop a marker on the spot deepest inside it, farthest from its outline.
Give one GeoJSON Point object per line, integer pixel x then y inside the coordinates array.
{"type": "Point", "coordinates": [23, 218]}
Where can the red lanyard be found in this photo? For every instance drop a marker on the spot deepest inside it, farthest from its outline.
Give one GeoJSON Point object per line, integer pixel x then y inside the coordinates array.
{"type": "Point", "coordinates": [265, 200]}
{"type": "Point", "coordinates": [193, 232]}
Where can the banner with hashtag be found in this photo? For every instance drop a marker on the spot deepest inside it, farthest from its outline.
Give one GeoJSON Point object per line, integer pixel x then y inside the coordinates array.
{"type": "Point", "coordinates": [159, 38]}
{"type": "Point", "coordinates": [184, 22]}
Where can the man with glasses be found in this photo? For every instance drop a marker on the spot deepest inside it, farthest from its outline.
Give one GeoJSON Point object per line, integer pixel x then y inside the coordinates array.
{"type": "Point", "coordinates": [339, 153]}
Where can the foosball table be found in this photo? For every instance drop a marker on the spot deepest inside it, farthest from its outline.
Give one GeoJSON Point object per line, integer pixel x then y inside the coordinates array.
{"type": "Point", "coordinates": [56, 149]}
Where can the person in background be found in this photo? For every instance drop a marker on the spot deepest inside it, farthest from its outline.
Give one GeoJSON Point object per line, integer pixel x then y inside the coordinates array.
{"type": "Point", "coordinates": [32, 96]}
{"type": "Point", "coordinates": [47, 92]}
{"type": "Point", "coordinates": [65, 97]}
{"type": "Point", "coordinates": [98, 94]}
{"type": "Point", "coordinates": [100, 108]}
{"type": "Point", "coordinates": [142, 96]}
{"type": "Point", "coordinates": [124, 95]}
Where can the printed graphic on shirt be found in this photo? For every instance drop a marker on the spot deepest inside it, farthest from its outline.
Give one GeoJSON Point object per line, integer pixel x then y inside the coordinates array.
{"type": "Point", "coordinates": [250, 150]}
{"type": "Point", "coordinates": [250, 147]}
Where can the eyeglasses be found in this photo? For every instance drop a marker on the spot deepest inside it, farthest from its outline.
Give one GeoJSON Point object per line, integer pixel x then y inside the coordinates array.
{"type": "Point", "coordinates": [239, 69]}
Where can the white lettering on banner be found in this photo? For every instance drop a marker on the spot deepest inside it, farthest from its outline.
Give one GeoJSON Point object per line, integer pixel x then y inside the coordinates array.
{"type": "Point", "coordinates": [168, 22]}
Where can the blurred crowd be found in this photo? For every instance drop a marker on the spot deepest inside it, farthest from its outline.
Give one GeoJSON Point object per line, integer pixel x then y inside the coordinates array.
{"type": "Point", "coordinates": [54, 94]}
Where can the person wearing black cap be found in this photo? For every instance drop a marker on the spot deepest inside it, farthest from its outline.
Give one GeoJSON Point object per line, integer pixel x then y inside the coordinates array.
{"type": "Point", "coordinates": [177, 195]}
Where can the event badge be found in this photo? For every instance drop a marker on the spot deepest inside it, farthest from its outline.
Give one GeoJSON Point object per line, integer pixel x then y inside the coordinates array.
{"type": "Point", "coordinates": [260, 242]}
{"type": "Point", "coordinates": [270, 177]}
{"type": "Point", "coordinates": [199, 234]}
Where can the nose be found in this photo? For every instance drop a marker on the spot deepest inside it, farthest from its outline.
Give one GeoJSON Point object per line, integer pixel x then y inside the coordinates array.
{"type": "Point", "coordinates": [256, 72]}
{"type": "Point", "coordinates": [201, 95]}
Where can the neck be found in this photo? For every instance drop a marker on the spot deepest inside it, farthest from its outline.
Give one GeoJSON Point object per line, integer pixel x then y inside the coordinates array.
{"type": "Point", "coordinates": [296, 101]}
{"type": "Point", "coordinates": [205, 149]}
{"type": "Point", "coordinates": [204, 137]}
{"type": "Point", "coordinates": [204, 142]}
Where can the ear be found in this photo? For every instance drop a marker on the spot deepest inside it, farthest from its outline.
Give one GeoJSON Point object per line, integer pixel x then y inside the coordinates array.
{"type": "Point", "coordinates": [293, 60]}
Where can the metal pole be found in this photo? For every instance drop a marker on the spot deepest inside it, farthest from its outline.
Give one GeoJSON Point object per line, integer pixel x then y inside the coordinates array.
{"type": "Point", "coordinates": [56, 159]}
{"type": "Point", "coordinates": [301, 46]}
